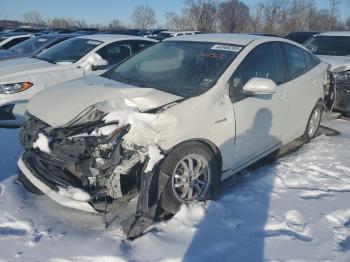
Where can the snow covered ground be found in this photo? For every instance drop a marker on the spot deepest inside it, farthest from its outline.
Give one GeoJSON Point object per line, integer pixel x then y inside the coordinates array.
{"type": "Point", "coordinates": [296, 208]}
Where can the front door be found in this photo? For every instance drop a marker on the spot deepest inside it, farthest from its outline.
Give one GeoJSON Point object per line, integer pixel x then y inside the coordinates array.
{"type": "Point", "coordinates": [259, 118]}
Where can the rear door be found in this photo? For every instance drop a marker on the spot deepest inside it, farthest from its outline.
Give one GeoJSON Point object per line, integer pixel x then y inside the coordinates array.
{"type": "Point", "coordinates": [303, 86]}
{"type": "Point", "coordinates": [259, 118]}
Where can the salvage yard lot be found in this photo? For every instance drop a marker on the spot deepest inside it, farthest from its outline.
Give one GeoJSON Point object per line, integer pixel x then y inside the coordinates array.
{"type": "Point", "coordinates": [294, 208]}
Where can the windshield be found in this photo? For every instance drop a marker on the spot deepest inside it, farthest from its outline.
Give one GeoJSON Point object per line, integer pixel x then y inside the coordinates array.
{"type": "Point", "coordinates": [69, 51]}
{"type": "Point", "coordinates": [31, 45]}
{"type": "Point", "coordinates": [185, 69]}
{"type": "Point", "coordinates": [329, 45]}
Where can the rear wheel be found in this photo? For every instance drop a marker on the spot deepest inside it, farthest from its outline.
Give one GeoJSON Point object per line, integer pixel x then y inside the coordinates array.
{"type": "Point", "coordinates": [314, 122]}
{"type": "Point", "coordinates": [194, 175]}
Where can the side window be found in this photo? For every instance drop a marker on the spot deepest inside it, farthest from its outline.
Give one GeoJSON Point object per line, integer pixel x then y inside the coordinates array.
{"type": "Point", "coordinates": [139, 45]}
{"type": "Point", "coordinates": [116, 52]}
{"type": "Point", "coordinates": [264, 61]}
{"type": "Point", "coordinates": [296, 61]}
{"type": "Point", "coordinates": [14, 42]}
{"type": "Point", "coordinates": [311, 60]}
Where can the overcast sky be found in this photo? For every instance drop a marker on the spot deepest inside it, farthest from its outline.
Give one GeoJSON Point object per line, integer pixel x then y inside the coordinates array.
{"type": "Point", "coordinates": [103, 11]}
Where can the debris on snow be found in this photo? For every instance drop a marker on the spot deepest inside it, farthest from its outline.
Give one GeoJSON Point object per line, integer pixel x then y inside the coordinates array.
{"type": "Point", "coordinates": [74, 193]}
{"type": "Point", "coordinates": [43, 143]}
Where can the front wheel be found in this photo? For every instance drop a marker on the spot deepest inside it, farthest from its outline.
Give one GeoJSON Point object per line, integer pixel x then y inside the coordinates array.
{"type": "Point", "coordinates": [194, 175]}
{"type": "Point", "coordinates": [314, 122]}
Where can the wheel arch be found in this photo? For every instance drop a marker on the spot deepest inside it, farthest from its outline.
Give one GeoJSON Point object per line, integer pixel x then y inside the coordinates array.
{"type": "Point", "coordinates": [215, 150]}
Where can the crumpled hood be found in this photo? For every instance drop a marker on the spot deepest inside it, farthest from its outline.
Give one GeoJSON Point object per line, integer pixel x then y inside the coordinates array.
{"type": "Point", "coordinates": [22, 66]}
{"type": "Point", "coordinates": [58, 105]}
{"type": "Point", "coordinates": [338, 63]}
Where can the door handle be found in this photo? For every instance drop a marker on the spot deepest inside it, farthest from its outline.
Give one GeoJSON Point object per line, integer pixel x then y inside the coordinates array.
{"type": "Point", "coordinates": [283, 96]}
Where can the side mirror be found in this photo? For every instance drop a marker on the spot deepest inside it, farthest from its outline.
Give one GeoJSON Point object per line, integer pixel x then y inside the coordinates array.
{"type": "Point", "coordinates": [93, 62]}
{"type": "Point", "coordinates": [259, 86]}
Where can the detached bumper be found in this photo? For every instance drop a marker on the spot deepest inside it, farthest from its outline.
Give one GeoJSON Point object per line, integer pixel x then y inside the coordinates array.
{"type": "Point", "coordinates": [50, 191]}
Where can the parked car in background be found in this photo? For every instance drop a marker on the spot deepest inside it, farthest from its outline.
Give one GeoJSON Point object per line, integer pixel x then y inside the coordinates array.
{"type": "Point", "coordinates": [167, 34]}
{"type": "Point", "coordinates": [301, 37]}
{"type": "Point", "coordinates": [21, 78]}
{"type": "Point", "coordinates": [57, 31]}
{"type": "Point", "coordinates": [150, 32]}
{"type": "Point", "coordinates": [34, 46]}
{"type": "Point", "coordinates": [27, 29]}
{"type": "Point", "coordinates": [171, 122]}
{"type": "Point", "coordinates": [8, 40]}
{"type": "Point", "coordinates": [334, 48]}
{"type": "Point", "coordinates": [86, 31]}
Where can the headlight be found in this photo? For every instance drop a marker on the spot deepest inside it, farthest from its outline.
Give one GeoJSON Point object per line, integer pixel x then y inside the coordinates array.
{"type": "Point", "coordinates": [342, 76]}
{"type": "Point", "coordinates": [14, 88]}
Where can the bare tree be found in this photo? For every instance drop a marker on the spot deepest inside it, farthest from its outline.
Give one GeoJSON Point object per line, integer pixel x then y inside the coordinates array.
{"type": "Point", "coordinates": [233, 16]}
{"type": "Point", "coordinates": [33, 17]}
{"type": "Point", "coordinates": [143, 17]}
{"type": "Point", "coordinates": [115, 24]}
{"type": "Point", "coordinates": [201, 14]}
{"type": "Point", "coordinates": [176, 22]}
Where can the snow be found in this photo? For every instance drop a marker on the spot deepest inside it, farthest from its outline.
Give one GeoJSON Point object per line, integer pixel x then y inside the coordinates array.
{"type": "Point", "coordinates": [294, 209]}
{"type": "Point", "coordinates": [93, 60]}
{"type": "Point", "coordinates": [43, 143]}
{"type": "Point", "coordinates": [74, 193]}
{"type": "Point", "coordinates": [154, 157]}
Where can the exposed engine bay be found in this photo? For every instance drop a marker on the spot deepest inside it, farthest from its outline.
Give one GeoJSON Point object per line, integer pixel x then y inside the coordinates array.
{"type": "Point", "coordinates": [92, 158]}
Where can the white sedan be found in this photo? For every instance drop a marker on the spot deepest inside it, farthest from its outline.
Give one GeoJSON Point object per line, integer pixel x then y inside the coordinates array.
{"type": "Point", "coordinates": [172, 122]}
{"type": "Point", "coordinates": [334, 48]}
{"type": "Point", "coordinates": [21, 78]}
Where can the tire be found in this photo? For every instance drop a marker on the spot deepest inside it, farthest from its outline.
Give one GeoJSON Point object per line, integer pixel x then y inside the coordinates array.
{"type": "Point", "coordinates": [313, 123]}
{"type": "Point", "coordinates": [28, 185]}
{"type": "Point", "coordinates": [201, 155]}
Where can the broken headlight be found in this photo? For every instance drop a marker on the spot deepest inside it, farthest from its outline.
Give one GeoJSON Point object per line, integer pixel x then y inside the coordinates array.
{"type": "Point", "coordinates": [91, 114]}
{"type": "Point", "coordinates": [342, 76]}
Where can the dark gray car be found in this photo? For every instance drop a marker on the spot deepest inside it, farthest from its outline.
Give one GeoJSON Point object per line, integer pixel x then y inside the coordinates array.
{"type": "Point", "coordinates": [34, 46]}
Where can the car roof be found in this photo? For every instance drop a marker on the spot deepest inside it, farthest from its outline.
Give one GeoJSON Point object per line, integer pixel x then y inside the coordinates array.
{"type": "Point", "coordinates": [339, 33]}
{"type": "Point", "coordinates": [107, 38]}
{"type": "Point", "coordinates": [236, 39]}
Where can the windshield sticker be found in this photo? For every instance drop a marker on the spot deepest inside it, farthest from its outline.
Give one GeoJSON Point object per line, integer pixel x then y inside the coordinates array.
{"type": "Point", "coordinates": [212, 55]}
{"type": "Point", "coordinates": [231, 48]}
{"type": "Point", "coordinates": [93, 42]}
{"type": "Point", "coordinates": [42, 39]}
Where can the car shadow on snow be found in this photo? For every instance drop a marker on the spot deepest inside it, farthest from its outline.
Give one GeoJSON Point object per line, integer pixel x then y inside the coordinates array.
{"type": "Point", "coordinates": [233, 225]}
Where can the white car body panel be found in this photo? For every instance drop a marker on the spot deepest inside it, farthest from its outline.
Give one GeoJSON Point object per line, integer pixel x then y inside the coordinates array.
{"type": "Point", "coordinates": [43, 74]}
{"type": "Point", "coordinates": [243, 132]}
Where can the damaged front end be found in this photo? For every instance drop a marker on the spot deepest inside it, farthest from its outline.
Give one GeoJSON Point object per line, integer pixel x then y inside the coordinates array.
{"type": "Point", "coordinates": [87, 164]}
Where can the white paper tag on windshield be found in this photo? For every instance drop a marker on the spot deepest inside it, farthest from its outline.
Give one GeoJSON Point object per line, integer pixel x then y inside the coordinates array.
{"type": "Point", "coordinates": [92, 42]}
{"type": "Point", "coordinates": [42, 39]}
{"type": "Point", "coordinates": [231, 48]}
